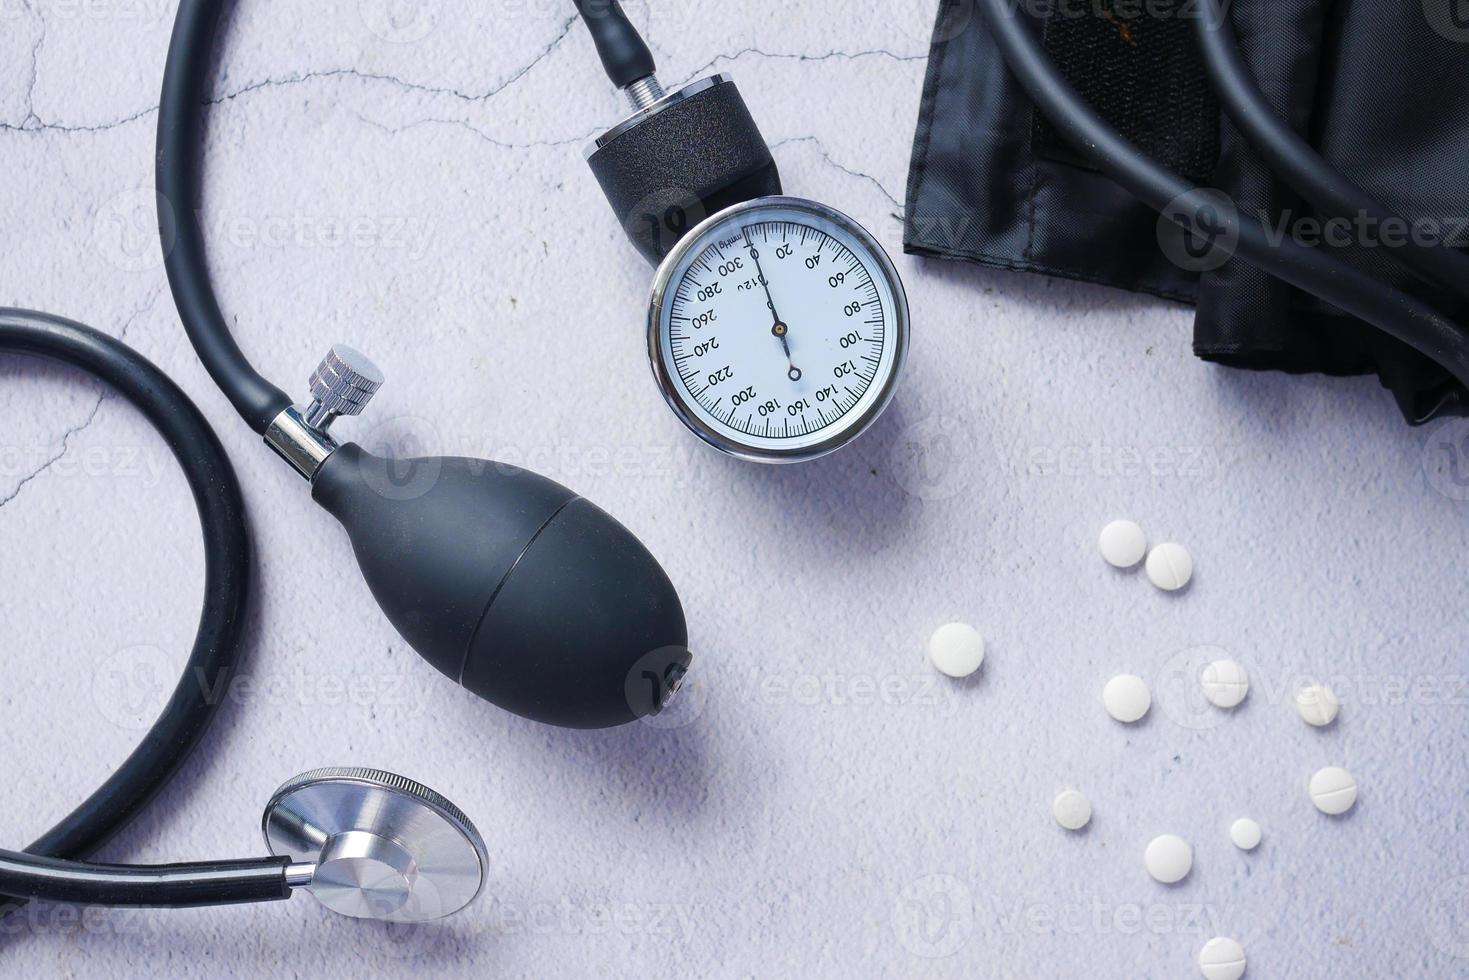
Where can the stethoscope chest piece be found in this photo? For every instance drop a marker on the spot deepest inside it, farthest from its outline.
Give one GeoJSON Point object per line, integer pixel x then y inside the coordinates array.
{"type": "Point", "coordinates": [376, 845]}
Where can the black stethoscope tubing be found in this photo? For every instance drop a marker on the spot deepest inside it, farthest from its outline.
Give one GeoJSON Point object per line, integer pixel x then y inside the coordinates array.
{"type": "Point", "coordinates": [50, 868]}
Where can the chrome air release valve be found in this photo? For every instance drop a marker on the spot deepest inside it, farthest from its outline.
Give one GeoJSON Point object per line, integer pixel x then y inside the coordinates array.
{"type": "Point", "coordinates": [778, 326]}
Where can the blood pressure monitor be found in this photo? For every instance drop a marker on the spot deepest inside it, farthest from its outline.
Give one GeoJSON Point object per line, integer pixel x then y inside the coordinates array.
{"type": "Point", "coordinates": [777, 330]}
{"type": "Point", "coordinates": [778, 326]}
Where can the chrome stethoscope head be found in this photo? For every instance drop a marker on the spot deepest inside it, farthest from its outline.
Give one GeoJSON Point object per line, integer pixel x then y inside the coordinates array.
{"type": "Point", "coordinates": [375, 845]}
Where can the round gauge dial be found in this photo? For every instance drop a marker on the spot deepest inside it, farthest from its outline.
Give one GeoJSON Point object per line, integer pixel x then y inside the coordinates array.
{"type": "Point", "coordinates": [778, 329]}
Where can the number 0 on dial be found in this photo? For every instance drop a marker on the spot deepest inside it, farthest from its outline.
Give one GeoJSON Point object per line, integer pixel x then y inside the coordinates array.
{"type": "Point", "coordinates": [778, 329]}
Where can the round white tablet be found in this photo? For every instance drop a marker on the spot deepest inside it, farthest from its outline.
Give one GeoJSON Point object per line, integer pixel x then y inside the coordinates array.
{"type": "Point", "coordinates": [1123, 544]}
{"type": "Point", "coordinates": [1170, 566]}
{"type": "Point", "coordinates": [1333, 790]}
{"type": "Point", "coordinates": [1168, 858]}
{"type": "Point", "coordinates": [1222, 959]}
{"type": "Point", "coordinates": [956, 649]}
{"type": "Point", "coordinates": [1318, 705]}
{"type": "Point", "coordinates": [1072, 810]}
{"type": "Point", "coordinates": [1225, 683]}
{"type": "Point", "coordinates": [1245, 833]}
{"type": "Point", "coordinates": [1127, 698]}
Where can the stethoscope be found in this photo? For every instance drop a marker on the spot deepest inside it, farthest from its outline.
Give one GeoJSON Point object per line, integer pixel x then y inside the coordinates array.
{"type": "Point", "coordinates": [510, 584]}
{"type": "Point", "coordinates": [471, 560]}
{"type": "Point", "coordinates": [364, 842]}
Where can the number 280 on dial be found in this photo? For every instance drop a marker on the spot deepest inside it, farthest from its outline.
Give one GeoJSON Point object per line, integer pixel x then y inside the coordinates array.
{"type": "Point", "coordinates": [778, 330]}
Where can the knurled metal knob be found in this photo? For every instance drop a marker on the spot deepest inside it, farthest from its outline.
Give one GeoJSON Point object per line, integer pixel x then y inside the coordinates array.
{"type": "Point", "coordinates": [343, 383]}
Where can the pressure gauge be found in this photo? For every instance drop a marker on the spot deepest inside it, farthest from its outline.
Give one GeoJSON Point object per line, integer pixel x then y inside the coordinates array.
{"type": "Point", "coordinates": [778, 329]}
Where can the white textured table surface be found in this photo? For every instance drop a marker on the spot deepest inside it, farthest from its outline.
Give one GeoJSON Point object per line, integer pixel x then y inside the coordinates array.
{"type": "Point", "coordinates": [825, 805]}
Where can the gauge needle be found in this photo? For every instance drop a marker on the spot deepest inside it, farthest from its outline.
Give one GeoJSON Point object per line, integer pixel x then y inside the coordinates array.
{"type": "Point", "coordinates": [780, 329]}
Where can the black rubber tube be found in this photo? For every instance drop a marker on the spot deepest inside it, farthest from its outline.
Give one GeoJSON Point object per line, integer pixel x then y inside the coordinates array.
{"type": "Point", "coordinates": [227, 571]}
{"type": "Point", "coordinates": [175, 886]}
{"type": "Point", "coordinates": [624, 53]}
{"type": "Point", "coordinates": [180, 124]}
{"type": "Point", "coordinates": [1297, 163]}
{"type": "Point", "coordinates": [1390, 310]}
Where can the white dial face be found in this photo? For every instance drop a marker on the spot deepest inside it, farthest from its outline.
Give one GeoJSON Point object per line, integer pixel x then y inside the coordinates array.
{"type": "Point", "coordinates": [778, 328]}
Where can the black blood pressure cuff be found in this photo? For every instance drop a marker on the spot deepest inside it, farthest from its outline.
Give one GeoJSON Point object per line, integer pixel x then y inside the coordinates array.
{"type": "Point", "coordinates": [1379, 87]}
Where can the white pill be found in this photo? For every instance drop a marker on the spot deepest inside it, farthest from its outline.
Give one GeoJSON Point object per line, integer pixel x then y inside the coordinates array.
{"type": "Point", "coordinates": [1072, 810]}
{"type": "Point", "coordinates": [1127, 698]}
{"type": "Point", "coordinates": [1168, 858]}
{"type": "Point", "coordinates": [956, 649]}
{"type": "Point", "coordinates": [1318, 705]}
{"type": "Point", "coordinates": [1333, 790]}
{"type": "Point", "coordinates": [1225, 683]}
{"type": "Point", "coordinates": [1245, 833]}
{"type": "Point", "coordinates": [1123, 544]}
{"type": "Point", "coordinates": [1222, 959]}
{"type": "Point", "coordinates": [1170, 566]}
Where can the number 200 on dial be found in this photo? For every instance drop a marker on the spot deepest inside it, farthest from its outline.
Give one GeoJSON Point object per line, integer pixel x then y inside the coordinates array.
{"type": "Point", "coordinates": [778, 330]}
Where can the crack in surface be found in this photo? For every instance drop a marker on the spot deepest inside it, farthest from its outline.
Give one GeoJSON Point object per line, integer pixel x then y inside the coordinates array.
{"type": "Point", "coordinates": [72, 432]}
{"type": "Point", "coordinates": [479, 133]}
{"type": "Point", "coordinates": [803, 57]}
{"type": "Point", "coordinates": [34, 123]}
{"type": "Point", "coordinates": [66, 438]}
{"type": "Point", "coordinates": [825, 155]}
{"type": "Point", "coordinates": [30, 102]}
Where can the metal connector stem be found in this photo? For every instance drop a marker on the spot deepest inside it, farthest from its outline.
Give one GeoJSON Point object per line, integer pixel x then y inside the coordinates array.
{"type": "Point", "coordinates": [318, 416]}
{"type": "Point", "coordinates": [299, 875]}
{"type": "Point", "coordinates": [342, 385]}
{"type": "Point", "coordinates": [644, 92]}
{"type": "Point", "coordinates": [299, 443]}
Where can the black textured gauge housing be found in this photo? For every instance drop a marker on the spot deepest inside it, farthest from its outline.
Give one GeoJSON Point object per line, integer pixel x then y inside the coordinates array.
{"type": "Point", "coordinates": [512, 585]}
{"type": "Point", "coordinates": [688, 158]}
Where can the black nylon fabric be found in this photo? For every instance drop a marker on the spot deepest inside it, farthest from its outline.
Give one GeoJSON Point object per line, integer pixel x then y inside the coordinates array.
{"type": "Point", "coordinates": [1138, 73]}
{"type": "Point", "coordinates": [1378, 86]}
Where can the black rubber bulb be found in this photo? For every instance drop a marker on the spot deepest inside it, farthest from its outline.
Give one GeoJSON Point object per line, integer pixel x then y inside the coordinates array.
{"type": "Point", "coordinates": [512, 585]}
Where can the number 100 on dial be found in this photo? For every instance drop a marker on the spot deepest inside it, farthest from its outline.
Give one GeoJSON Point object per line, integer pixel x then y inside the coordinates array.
{"type": "Point", "coordinates": [778, 329]}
